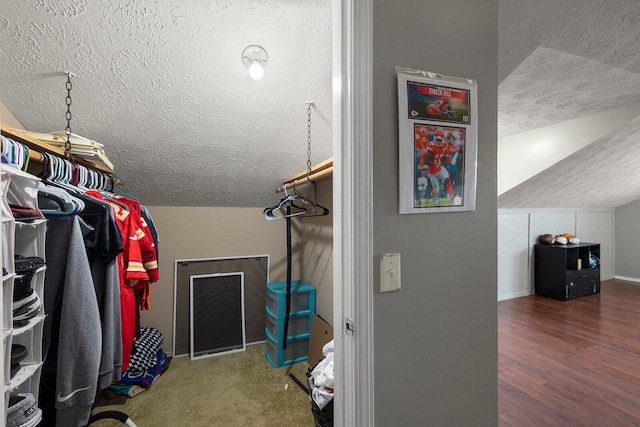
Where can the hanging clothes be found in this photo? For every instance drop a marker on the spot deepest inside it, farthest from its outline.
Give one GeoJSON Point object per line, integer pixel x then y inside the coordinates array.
{"type": "Point", "coordinates": [137, 266]}
{"type": "Point", "coordinates": [97, 250]}
{"type": "Point", "coordinates": [127, 270]}
{"type": "Point", "coordinates": [147, 252]}
{"type": "Point", "coordinates": [103, 245]}
{"type": "Point", "coordinates": [144, 212]}
{"type": "Point", "coordinates": [72, 332]}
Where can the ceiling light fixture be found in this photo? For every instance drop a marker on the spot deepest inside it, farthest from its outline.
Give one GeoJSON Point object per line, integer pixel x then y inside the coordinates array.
{"type": "Point", "coordinates": [255, 58]}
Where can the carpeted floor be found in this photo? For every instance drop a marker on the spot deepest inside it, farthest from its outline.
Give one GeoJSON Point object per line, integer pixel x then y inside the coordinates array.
{"type": "Point", "coordinates": [240, 389]}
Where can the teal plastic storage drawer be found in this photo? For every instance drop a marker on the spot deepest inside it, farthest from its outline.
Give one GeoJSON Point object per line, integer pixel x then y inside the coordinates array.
{"type": "Point", "coordinates": [303, 298]}
{"type": "Point", "coordinates": [298, 325]}
{"type": "Point", "coordinates": [296, 351]}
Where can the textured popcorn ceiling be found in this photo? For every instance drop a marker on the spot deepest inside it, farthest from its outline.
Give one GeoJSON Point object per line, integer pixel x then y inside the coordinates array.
{"type": "Point", "coordinates": [161, 83]}
{"type": "Point", "coordinates": [550, 87]}
{"type": "Point", "coordinates": [560, 60]}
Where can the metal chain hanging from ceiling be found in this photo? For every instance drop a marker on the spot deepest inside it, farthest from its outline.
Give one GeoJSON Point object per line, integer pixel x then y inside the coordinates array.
{"type": "Point", "coordinates": [67, 130]}
{"type": "Point", "coordinates": [309, 139]}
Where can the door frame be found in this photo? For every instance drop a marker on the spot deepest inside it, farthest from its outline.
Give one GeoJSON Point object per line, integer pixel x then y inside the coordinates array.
{"type": "Point", "coordinates": [353, 212]}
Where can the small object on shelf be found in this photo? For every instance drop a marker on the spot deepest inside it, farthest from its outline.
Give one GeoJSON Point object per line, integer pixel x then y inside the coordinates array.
{"type": "Point", "coordinates": [22, 290]}
{"type": "Point", "coordinates": [561, 240]}
{"type": "Point", "coordinates": [23, 293]}
{"type": "Point", "coordinates": [25, 265]}
{"type": "Point", "coordinates": [22, 314]}
{"type": "Point", "coordinates": [18, 354]}
{"type": "Point", "coordinates": [23, 410]}
{"type": "Point", "coordinates": [548, 239]}
{"type": "Point", "coordinates": [567, 239]}
{"type": "Point", "coordinates": [24, 213]}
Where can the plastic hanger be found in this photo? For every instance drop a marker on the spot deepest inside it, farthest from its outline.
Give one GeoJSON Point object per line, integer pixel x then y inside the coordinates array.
{"type": "Point", "coordinates": [58, 173]}
{"type": "Point", "coordinates": [62, 202]}
{"type": "Point", "coordinates": [304, 207]}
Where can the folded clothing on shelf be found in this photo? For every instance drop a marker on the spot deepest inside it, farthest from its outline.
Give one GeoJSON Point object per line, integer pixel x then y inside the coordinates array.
{"type": "Point", "coordinates": [23, 411]}
{"type": "Point", "coordinates": [24, 213]}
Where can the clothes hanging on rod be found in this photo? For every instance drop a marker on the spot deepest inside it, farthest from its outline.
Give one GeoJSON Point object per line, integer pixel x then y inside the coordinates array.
{"type": "Point", "coordinates": [91, 233]}
{"type": "Point", "coordinates": [294, 205]}
{"type": "Point", "coordinates": [72, 329]}
{"type": "Point", "coordinates": [115, 287]}
{"type": "Point", "coordinates": [288, 208]}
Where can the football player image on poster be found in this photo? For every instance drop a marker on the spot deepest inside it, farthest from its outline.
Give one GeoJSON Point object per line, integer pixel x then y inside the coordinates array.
{"type": "Point", "coordinates": [439, 162]}
{"type": "Point", "coordinates": [437, 142]}
{"type": "Point", "coordinates": [437, 103]}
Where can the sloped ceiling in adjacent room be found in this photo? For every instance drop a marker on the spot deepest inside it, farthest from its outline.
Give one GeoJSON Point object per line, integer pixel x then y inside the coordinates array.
{"type": "Point", "coordinates": [564, 60]}
{"type": "Point", "coordinates": [162, 85]}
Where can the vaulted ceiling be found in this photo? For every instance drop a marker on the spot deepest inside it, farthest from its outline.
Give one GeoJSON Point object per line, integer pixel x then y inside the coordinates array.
{"type": "Point", "coordinates": [161, 83]}
{"type": "Point", "coordinates": [561, 61]}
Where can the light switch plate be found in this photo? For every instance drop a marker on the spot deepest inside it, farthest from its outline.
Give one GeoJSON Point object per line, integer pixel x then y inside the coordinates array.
{"type": "Point", "coordinates": [389, 272]}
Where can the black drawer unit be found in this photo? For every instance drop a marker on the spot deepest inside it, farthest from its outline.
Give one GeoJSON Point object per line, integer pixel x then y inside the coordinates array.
{"type": "Point", "coordinates": [566, 272]}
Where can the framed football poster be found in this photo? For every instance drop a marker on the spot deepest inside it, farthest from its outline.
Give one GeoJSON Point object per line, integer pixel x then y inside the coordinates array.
{"type": "Point", "coordinates": [438, 142]}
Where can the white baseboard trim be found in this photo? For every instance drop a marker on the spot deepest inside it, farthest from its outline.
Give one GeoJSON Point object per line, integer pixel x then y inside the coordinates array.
{"type": "Point", "coordinates": [513, 295]}
{"type": "Point", "coordinates": [628, 279]}
{"type": "Point", "coordinates": [519, 294]}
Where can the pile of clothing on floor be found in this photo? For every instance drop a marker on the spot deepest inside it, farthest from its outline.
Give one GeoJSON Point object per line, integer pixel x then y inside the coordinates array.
{"type": "Point", "coordinates": [321, 379]}
{"type": "Point", "coordinates": [148, 361]}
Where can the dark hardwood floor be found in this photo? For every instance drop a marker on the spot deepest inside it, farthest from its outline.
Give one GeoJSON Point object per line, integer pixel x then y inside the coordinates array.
{"type": "Point", "coordinates": [574, 363]}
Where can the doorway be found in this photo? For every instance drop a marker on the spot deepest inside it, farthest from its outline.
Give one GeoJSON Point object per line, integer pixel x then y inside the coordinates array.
{"type": "Point", "coordinates": [353, 209]}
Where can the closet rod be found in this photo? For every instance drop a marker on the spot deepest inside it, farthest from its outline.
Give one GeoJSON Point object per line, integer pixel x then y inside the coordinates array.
{"type": "Point", "coordinates": [37, 147]}
{"type": "Point", "coordinates": [323, 174]}
{"type": "Point", "coordinates": [314, 169]}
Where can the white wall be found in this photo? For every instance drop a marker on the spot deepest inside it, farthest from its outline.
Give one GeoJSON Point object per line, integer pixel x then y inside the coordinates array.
{"type": "Point", "coordinates": [627, 260]}
{"type": "Point", "coordinates": [514, 254]}
{"type": "Point", "coordinates": [519, 229]}
{"type": "Point", "coordinates": [526, 154]}
{"type": "Point", "coordinates": [8, 118]}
